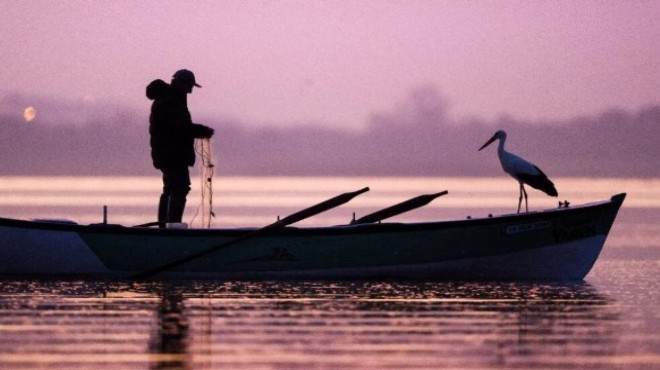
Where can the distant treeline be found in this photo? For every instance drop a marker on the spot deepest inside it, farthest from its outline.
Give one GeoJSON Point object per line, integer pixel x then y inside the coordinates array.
{"type": "Point", "coordinates": [415, 139]}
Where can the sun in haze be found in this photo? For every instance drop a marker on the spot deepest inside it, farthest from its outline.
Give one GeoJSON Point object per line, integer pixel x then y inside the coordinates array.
{"type": "Point", "coordinates": [29, 113]}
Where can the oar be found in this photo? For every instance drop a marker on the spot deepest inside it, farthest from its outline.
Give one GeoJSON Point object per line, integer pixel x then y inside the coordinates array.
{"type": "Point", "coordinates": [399, 208]}
{"type": "Point", "coordinates": [149, 224]}
{"type": "Point", "coordinates": [298, 216]}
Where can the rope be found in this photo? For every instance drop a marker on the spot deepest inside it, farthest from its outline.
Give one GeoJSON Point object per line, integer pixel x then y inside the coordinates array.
{"type": "Point", "coordinates": [203, 149]}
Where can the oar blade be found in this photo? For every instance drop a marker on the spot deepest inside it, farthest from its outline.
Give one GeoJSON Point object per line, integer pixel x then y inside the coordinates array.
{"type": "Point", "coordinates": [321, 207]}
{"type": "Point", "coordinates": [399, 208]}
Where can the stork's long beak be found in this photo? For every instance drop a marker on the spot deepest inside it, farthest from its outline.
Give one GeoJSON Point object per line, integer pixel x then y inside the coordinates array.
{"type": "Point", "coordinates": [488, 142]}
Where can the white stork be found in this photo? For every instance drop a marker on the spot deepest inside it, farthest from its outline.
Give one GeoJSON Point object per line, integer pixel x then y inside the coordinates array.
{"type": "Point", "coordinates": [521, 170]}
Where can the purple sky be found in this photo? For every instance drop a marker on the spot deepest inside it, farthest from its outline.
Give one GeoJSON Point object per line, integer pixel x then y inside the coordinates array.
{"type": "Point", "coordinates": [337, 62]}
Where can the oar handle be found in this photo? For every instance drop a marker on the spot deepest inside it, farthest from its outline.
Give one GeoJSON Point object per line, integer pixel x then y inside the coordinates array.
{"type": "Point", "coordinates": [399, 208]}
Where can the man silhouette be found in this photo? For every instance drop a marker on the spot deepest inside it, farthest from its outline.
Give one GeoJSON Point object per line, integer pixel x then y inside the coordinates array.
{"type": "Point", "coordinates": [172, 139]}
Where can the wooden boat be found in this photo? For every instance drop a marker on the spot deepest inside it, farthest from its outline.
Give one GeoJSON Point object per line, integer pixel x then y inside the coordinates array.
{"type": "Point", "coordinates": [556, 244]}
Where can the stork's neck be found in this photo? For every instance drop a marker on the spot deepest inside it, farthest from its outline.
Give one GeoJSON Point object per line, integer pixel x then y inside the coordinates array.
{"type": "Point", "coordinates": [500, 146]}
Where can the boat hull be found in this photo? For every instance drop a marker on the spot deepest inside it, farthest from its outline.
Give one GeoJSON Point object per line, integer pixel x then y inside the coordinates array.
{"type": "Point", "coordinates": [559, 244]}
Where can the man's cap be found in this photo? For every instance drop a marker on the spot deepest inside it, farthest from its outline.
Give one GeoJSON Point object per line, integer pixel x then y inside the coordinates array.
{"type": "Point", "coordinates": [185, 75]}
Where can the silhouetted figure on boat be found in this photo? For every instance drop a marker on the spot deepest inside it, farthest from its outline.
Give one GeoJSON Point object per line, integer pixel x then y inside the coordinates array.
{"type": "Point", "coordinates": [173, 137]}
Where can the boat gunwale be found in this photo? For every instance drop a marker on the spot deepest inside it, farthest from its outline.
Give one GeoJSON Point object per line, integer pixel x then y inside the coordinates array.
{"type": "Point", "coordinates": [46, 225]}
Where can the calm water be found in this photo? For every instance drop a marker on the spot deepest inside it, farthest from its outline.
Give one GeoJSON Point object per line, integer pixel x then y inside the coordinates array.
{"type": "Point", "coordinates": [609, 321]}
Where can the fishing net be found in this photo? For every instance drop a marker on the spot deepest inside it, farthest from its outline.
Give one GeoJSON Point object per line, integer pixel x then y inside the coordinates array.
{"type": "Point", "coordinates": [203, 149]}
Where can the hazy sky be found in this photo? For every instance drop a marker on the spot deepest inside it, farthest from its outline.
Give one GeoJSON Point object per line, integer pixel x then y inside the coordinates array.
{"type": "Point", "coordinates": [273, 62]}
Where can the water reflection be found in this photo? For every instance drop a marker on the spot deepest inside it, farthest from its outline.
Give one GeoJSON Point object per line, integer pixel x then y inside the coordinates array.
{"type": "Point", "coordinates": [169, 342]}
{"type": "Point", "coordinates": [356, 325]}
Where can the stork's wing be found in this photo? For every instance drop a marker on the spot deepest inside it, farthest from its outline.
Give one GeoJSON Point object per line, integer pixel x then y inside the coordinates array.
{"type": "Point", "coordinates": [516, 166]}
{"type": "Point", "coordinates": [540, 182]}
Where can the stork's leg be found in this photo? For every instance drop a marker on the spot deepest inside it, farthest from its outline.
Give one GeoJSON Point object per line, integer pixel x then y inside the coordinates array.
{"type": "Point", "coordinates": [525, 193]}
{"type": "Point", "coordinates": [520, 196]}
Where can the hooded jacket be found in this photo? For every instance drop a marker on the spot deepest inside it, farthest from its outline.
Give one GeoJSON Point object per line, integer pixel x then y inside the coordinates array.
{"type": "Point", "coordinates": [172, 132]}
